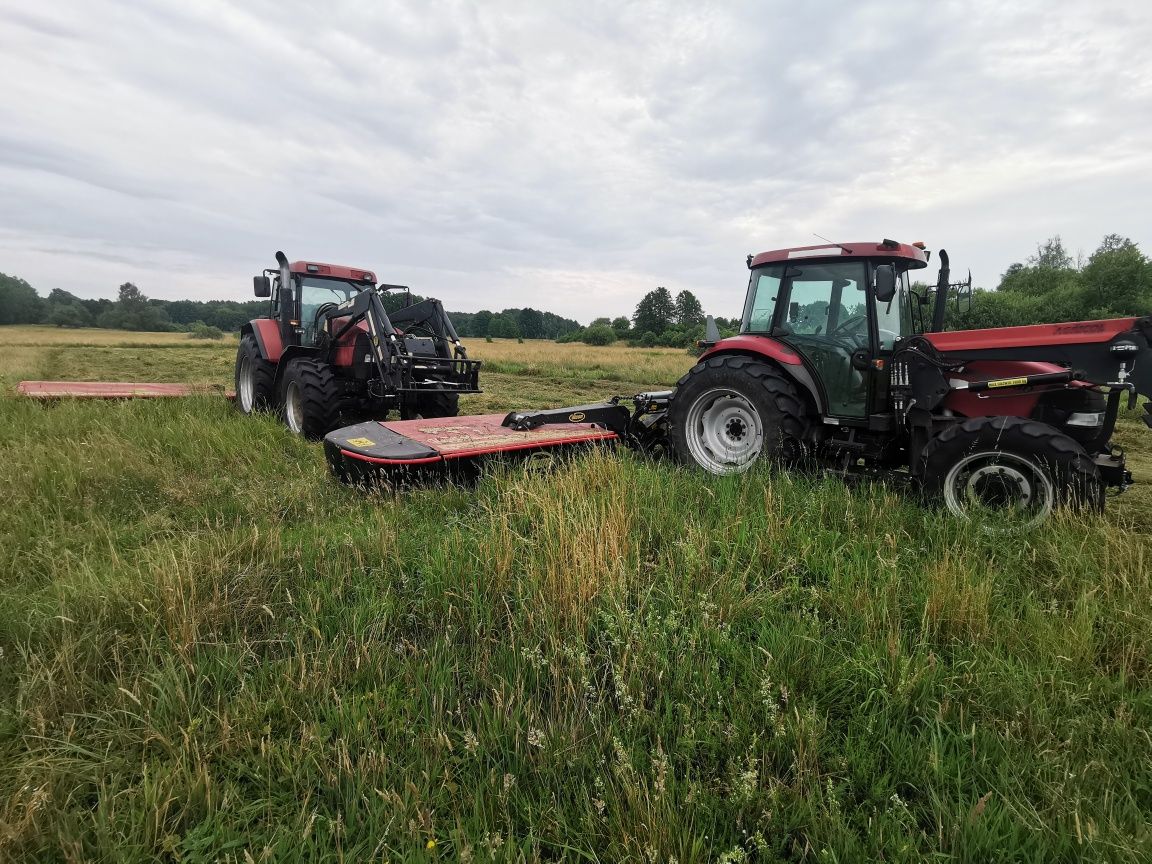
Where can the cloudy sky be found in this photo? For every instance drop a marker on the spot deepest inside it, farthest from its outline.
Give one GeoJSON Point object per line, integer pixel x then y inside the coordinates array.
{"type": "Point", "coordinates": [568, 156]}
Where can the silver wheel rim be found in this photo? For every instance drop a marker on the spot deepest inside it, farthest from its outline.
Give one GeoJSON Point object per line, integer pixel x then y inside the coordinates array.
{"type": "Point", "coordinates": [724, 432]}
{"type": "Point", "coordinates": [246, 386]}
{"type": "Point", "coordinates": [1001, 482]}
{"type": "Point", "coordinates": [293, 411]}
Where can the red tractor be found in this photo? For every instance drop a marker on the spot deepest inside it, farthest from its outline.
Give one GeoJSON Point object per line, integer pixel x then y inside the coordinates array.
{"type": "Point", "coordinates": [837, 360]}
{"type": "Point", "coordinates": [328, 353]}
{"type": "Point", "coordinates": [840, 363]}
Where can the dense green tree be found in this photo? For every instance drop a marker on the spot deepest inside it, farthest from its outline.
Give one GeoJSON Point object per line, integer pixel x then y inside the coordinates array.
{"type": "Point", "coordinates": [621, 327]}
{"type": "Point", "coordinates": [73, 314]}
{"type": "Point", "coordinates": [1117, 280]}
{"type": "Point", "coordinates": [133, 311]}
{"type": "Point", "coordinates": [1051, 255]}
{"type": "Point", "coordinates": [598, 334]}
{"type": "Point", "coordinates": [531, 322]}
{"type": "Point", "coordinates": [504, 327]}
{"type": "Point", "coordinates": [655, 312]}
{"type": "Point", "coordinates": [19, 302]}
{"type": "Point", "coordinates": [59, 295]}
{"type": "Point", "coordinates": [689, 312]}
{"type": "Point", "coordinates": [481, 321]}
{"type": "Point", "coordinates": [130, 296]}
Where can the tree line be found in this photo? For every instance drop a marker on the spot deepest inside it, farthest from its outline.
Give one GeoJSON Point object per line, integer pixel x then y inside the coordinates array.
{"type": "Point", "coordinates": [525, 323]}
{"type": "Point", "coordinates": [132, 310]}
{"type": "Point", "coordinates": [1051, 285]}
{"type": "Point", "coordinates": [659, 319]}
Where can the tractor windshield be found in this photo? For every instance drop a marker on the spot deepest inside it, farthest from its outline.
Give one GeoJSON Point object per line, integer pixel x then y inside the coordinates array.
{"type": "Point", "coordinates": [317, 293]}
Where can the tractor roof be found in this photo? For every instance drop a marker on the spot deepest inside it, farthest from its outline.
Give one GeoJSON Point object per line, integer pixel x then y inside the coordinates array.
{"type": "Point", "coordinates": [912, 253]}
{"type": "Point", "coordinates": [332, 271]}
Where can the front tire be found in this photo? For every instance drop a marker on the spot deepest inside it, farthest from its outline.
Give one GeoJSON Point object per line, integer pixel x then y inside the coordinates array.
{"type": "Point", "coordinates": [1009, 465]}
{"type": "Point", "coordinates": [255, 378]}
{"type": "Point", "coordinates": [314, 399]}
{"type": "Point", "coordinates": [730, 411]}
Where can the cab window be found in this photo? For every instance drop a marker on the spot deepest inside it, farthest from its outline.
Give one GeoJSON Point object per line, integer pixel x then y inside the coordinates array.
{"type": "Point", "coordinates": [762, 293]}
{"type": "Point", "coordinates": [827, 299]}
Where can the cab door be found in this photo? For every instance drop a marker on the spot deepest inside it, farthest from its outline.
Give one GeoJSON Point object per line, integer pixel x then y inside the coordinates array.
{"type": "Point", "coordinates": [823, 313]}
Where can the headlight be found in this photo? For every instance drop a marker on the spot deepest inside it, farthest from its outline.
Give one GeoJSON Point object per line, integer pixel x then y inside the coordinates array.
{"type": "Point", "coordinates": [1086, 418]}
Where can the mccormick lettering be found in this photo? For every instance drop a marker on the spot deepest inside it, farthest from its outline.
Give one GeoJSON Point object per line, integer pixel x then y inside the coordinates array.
{"type": "Point", "coordinates": [1085, 327]}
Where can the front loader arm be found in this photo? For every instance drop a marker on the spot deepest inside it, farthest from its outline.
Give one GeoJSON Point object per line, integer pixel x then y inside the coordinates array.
{"type": "Point", "coordinates": [366, 306]}
{"type": "Point", "coordinates": [430, 315]}
{"type": "Point", "coordinates": [399, 367]}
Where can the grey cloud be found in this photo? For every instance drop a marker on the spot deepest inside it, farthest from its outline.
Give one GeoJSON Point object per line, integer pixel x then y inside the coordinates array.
{"type": "Point", "coordinates": [570, 157]}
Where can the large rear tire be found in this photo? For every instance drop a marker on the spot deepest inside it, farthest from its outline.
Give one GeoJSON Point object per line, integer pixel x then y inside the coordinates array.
{"type": "Point", "coordinates": [314, 399]}
{"type": "Point", "coordinates": [730, 411]}
{"type": "Point", "coordinates": [255, 378]}
{"type": "Point", "coordinates": [1009, 465]}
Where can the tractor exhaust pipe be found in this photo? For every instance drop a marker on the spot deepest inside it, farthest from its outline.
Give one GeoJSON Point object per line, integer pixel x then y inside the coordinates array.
{"type": "Point", "coordinates": [941, 294]}
{"type": "Point", "coordinates": [285, 271]}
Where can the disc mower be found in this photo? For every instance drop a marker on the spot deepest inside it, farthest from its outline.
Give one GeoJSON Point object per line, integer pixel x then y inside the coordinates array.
{"type": "Point", "coordinates": [328, 353]}
{"type": "Point", "coordinates": [839, 363]}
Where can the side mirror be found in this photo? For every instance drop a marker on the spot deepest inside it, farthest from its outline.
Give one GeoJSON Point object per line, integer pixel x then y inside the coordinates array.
{"type": "Point", "coordinates": [885, 282]}
{"type": "Point", "coordinates": [262, 286]}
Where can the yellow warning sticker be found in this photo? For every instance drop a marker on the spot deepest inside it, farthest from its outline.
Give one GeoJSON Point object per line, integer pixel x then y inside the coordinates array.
{"type": "Point", "coordinates": [1008, 382]}
{"type": "Point", "coordinates": [361, 442]}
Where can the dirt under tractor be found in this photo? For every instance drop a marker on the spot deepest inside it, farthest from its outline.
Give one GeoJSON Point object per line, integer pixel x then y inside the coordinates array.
{"type": "Point", "coordinates": [841, 364]}
{"type": "Point", "coordinates": [329, 354]}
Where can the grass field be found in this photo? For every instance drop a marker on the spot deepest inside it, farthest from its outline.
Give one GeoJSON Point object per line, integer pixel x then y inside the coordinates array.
{"type": "Point", "coordinates": [209, 651]}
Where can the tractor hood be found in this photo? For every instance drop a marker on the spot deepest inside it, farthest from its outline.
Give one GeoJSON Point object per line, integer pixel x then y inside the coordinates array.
{"type": "Point", "coordinates": [1115, 351]}
{"type": "Point", "coordinates": [1033, 335]}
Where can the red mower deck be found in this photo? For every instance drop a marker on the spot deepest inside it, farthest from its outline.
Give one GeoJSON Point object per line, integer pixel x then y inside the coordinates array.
{"type": "Point", "coordinates": [391, 450]}
{"type": "Point", "coordinates": [112, 390]}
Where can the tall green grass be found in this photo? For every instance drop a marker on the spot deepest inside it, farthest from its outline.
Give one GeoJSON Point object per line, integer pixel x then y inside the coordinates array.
{"type": "Point", "coordinates": [213, 652]}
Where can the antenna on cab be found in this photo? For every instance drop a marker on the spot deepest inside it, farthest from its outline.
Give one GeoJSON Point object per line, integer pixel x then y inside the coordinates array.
{"type": "Point", "coordinates": [833, 242]}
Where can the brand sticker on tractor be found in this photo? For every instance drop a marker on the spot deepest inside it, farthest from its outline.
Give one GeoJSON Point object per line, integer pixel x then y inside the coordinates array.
{"type": "Point", "coordinates": [576, 417]}
{"type": "Point", "coordinates": [361, 442]}
{"type": "Point", "coordinates": [1008, 382]}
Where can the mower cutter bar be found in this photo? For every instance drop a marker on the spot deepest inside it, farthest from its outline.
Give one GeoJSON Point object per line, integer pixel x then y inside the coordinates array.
{"type": "Point", "coordinates": [112, 390]}
{"type": "Point", "coordinates": [395, 450]}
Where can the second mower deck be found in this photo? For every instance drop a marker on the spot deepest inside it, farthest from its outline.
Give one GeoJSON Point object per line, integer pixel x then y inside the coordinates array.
{"type": "Point", "coordinates": [389, 451]}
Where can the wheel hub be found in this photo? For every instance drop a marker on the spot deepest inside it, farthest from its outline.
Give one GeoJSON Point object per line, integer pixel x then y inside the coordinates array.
{"type": "Point", "coordinates": [1001, 482]}
{"type": "Point", "coordinates": [724, 431]}
{"type": "Point", "coordinates": [735, 429]}
{"type": "Point", "coordinates": [1000, 486]}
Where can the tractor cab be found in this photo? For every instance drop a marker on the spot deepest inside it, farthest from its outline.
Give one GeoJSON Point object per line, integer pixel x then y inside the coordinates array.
{"type": "Point", "coordinates": [841, 307]}
{"type": "Point", "coordinates": [303, 292]}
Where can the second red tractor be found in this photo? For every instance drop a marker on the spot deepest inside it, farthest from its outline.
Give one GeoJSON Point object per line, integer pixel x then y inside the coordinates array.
{"type": "Point", "coordinates": [328, 353]}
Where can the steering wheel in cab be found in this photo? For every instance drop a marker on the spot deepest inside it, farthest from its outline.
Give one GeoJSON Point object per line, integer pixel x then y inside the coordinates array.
{"type": "Point", "coordinates": [852, 330]}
